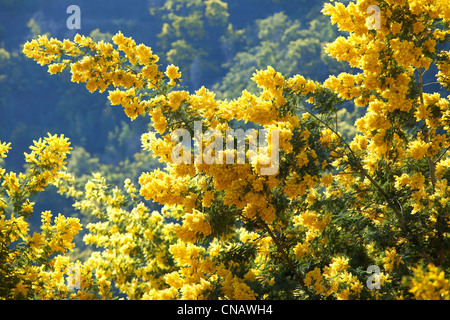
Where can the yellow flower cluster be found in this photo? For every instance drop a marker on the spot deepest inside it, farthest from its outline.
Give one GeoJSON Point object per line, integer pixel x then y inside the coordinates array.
{"type": "Point", "coordinates": [334, 280]}
{"type": "Point", "coordinates": [300, 85]}
{"type": "Point", "coordinates": [50, 153]}
{"type": "Point", "coordinates": [364, 50]}
{"type": "Point", "coordinates": [226, 231]}
{"type": "Point", "coordinates": [273, 82]}
{"type": "Point", "coordinates": [347, 85]}
{"type": "Point", "coordinates": [173, 74]}
{"type": "Point", "coordinates": [391, 259]}
{"type": "Point", "coordinates": [197, 275]}
{"type": "Point", "coordinates": [46, 160]}
{"type": "Point", "coordinates": [129, 235]}
{"type": "Point", "coordinates": [430, 283]}
{"type": "Point", "coordinates": [309, 219]}
{"type": "Point", "coordinates": [195, 226]}
{"type": "Point", "coordinates": [4, 148]}
{"type": "Point", "coordinates": [42, 271]}
{"type": "Point", "coordinates": [102, 67]}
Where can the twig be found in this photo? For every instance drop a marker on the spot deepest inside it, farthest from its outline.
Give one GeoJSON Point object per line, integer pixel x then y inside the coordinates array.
{"type": "Point", "coordinates": [430, 83]}
{"type": "Point", "coordinates": [440, 157]}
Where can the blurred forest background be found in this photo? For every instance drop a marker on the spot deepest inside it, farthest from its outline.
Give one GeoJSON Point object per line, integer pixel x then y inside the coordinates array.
{"type": "Point", "coordinates": [216, 43]}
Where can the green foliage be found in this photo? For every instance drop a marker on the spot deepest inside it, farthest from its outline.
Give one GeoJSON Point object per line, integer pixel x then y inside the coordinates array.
{"type": "Point", "coordinates": [286, 44]}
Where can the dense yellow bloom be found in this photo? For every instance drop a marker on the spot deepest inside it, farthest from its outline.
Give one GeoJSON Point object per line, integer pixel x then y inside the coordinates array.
{"type": "Point", "coordinates": [300, 85]}
{"type": "Point", "coordinates": [4, 147]}
{"type": "Point", "coordinates": [273, 82]}
{"type": "Point", "coordinates": [235, 288]}
{"type": "Point", "coordinates": [172, 73]}
{"type": "Point", "coordinates": [55, 68]}
{"type": "Point", "coordinates": [176, 98]}
{"type": "Point", "coordinates": [430, 284]}
{"type": "Point", "coordinates": [391, 259]}
{"type": "Point", "coordinates": [11, 182]}
{"type": "Point", "coordinates": [50, 153]}
{"type": "Point", "coordinates": [345, 84]}
{"type": "Point", "coordinates": [225, 231]}
{"type": "Point", "coordinates": [195, 225]}
{"type": "Point", "coordinates": [316, 276]}
{"type": "Point", "coordinates": [36, 242]}
{"type": "Point", "coordinates": [301, 249]}
{"type": "Point", "coordinates": [42, 272]}
{"type": "Point", "coordinates": [310, 220]}
{"type": "Point", "coordinates": [418, 149]}
{"type": "Point", "coordinates": [336, 274]}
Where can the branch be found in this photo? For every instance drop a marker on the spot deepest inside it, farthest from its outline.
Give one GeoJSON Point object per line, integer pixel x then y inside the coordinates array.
{"type": "Point", "coordinates": [281, 249]}
{"type": "Point", "coordinates": [431, 164]}
{"type": "Point", "coordinates": [430, 83]}
{"type": "Point", "coordinates": [393, 203]}
{"type": "Point", "coordinates": [364, 172]}
{"type": "Point", "coordinates": [440, 157]}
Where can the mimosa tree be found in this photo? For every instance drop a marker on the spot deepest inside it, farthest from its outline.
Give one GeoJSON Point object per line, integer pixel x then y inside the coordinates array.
{"type": "Point", "coordinates": [309, 229]}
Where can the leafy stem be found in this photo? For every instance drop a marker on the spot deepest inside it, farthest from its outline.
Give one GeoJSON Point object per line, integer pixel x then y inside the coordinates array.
{"type": "Point", "coordinates": [394, 204]}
